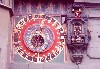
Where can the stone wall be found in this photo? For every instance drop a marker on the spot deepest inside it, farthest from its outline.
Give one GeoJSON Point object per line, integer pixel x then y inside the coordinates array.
{"type": "Point", "coordinates": [5, 33]}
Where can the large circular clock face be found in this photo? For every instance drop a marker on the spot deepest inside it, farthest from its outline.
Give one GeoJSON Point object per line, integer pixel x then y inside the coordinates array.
{"type": "Point", "coordinates": [38, 38]}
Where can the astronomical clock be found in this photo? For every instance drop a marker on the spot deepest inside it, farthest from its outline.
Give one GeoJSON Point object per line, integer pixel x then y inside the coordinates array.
{"type": "Point", "coordinates": [38, 38]}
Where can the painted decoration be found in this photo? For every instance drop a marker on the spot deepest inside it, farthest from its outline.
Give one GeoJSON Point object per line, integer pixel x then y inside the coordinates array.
{"type": "Point", "coordinates": [38, 38]}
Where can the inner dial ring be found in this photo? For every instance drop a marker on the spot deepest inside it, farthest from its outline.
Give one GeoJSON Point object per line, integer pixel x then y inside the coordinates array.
{"type": "Point", "coordinates": [38, 39]}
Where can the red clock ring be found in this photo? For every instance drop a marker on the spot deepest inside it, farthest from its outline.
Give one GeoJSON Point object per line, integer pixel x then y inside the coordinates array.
{"type": "Point", "coordinates": [47, 55]}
